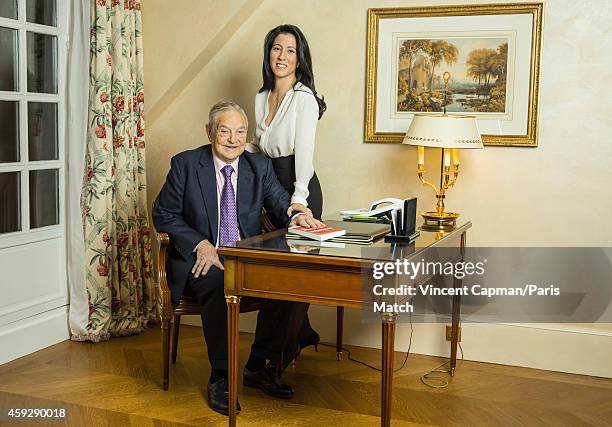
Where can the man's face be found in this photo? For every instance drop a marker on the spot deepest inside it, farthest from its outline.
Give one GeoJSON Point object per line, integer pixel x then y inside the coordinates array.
{"type": "Point", "coordinates": [228, 139]}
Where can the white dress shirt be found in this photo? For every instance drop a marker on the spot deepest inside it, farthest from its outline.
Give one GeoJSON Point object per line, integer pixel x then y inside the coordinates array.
{"type": "Point", "coordinates": [291, 132]}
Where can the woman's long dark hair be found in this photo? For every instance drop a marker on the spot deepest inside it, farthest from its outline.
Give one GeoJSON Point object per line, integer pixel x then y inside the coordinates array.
{"type": "Point", "coordinates": [303, 73]}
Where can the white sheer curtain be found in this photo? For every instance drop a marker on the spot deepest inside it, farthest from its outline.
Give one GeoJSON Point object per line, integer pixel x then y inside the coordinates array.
{"type": "Point", "coordinates": [76, 137]}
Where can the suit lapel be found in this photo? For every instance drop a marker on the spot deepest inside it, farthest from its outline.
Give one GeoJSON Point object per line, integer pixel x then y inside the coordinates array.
{"type": "Point", "coordinates": [244, 193]}
{"type": "Point", "coordinates": [208, 186]}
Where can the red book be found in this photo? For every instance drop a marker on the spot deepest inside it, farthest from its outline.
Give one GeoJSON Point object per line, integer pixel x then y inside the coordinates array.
{"type": "Point", "coordinates": [317, 233]}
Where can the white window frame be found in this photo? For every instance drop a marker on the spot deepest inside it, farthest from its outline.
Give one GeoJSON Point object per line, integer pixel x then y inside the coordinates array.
{"type": "Point", "coordinates": [22, 96]}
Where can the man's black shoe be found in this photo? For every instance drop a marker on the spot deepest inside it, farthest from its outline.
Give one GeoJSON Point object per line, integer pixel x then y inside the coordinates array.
{"type": "Point", "coordinates": [269, 381]}
{"type": "Point", "coordinates": [218, 397]}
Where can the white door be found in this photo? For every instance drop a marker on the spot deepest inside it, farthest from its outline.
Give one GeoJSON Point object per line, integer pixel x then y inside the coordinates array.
{"type": "Point", "coordinates": [33, 289]}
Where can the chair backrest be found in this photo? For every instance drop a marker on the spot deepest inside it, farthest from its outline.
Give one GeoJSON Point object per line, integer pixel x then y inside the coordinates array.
{"type": "Point", "coordinates": [266, 223]}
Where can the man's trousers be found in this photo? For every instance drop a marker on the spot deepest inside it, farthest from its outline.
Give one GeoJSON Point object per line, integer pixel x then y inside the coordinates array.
{"type": "Point", "coordinates": [278, 322]}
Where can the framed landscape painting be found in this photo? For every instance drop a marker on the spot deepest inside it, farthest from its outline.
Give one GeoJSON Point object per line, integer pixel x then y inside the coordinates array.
{"type": "Point", "coordinates": [492, 53]}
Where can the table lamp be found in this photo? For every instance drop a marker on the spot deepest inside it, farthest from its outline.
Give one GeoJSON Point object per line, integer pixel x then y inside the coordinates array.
{"type": "Point", "coordinates": [450, 132]}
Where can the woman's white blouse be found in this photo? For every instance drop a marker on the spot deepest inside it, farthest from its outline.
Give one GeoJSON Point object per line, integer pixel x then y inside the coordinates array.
{"type": "Point", "coordinates": [291, 132]}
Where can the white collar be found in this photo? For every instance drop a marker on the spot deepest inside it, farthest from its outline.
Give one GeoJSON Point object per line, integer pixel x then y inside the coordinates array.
{"type": "Point", "coordinates": [220, 164]}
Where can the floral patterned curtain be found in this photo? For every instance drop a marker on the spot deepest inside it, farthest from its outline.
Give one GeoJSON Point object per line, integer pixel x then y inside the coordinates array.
{"type": "Point", "coordinates": [120, 285]}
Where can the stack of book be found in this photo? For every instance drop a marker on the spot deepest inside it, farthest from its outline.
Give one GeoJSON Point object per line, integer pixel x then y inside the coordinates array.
{"type": "Point", "coordinates": [321, 234]}
{"type": "Point", "coordinates": [341, 232]}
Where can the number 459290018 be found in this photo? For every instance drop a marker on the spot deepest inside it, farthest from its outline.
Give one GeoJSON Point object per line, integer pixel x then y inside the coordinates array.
{"type": "Point", "coordinates": [36, 413]}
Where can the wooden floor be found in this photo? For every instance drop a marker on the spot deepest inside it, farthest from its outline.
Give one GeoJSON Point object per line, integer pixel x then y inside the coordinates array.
{"type": "Point", "coordinates": [117, 383]}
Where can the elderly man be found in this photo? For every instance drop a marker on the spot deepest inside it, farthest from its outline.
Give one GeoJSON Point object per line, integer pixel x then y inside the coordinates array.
{"type": "Point", "coordinates": [212, 197]}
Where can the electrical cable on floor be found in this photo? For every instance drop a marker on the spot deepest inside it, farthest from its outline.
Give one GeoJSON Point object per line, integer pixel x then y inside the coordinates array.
{"type": "Point", "coordinates": [352, 359]}
{"type": "Point", "coordinates": [429, 379]}
{"type": "Point", "coordinates": [439, 381]}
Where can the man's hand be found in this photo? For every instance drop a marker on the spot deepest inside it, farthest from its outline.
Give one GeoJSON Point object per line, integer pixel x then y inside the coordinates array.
{"type": "Point", "coordinates": [298, 207]}
{"type": "Point", "coordinates": [206, 258]}
{"type": "Point", "coordinates": [306, 220]}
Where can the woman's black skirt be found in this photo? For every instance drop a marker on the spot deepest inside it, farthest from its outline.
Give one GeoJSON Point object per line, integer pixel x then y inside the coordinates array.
{"type": "Point", "coordinates": [285, 172]}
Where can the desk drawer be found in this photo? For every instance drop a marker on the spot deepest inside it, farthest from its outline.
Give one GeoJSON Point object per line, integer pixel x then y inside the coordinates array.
{"type": "Point", "coordinates": [299, 282]}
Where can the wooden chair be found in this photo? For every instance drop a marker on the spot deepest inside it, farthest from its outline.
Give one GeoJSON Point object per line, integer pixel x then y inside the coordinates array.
{"type": "Point", "coordinates": [171, 313]}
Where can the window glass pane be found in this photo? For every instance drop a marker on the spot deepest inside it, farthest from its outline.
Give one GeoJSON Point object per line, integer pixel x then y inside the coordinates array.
{"type": "Point", "coordinates": [8, 59]}
{"type": "Point", "coordinates": [9, 131]}
{"type": "Point", "coordinates": [42, 63]}
{"type": "Point", "coordinates": [44, 204]}
{"type": "Point", "coordinates": [42, 131]}
{"type": "Point", "coordinates": [10, 210]}
{"type": "Point", "coordinates": [41, 12]}
{"type": "Point", "coordinates": [8, 9]}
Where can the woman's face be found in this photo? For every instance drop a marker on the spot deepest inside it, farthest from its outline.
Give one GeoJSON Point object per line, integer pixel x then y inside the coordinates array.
{"type": "Point", "coordinates": [283, 56]}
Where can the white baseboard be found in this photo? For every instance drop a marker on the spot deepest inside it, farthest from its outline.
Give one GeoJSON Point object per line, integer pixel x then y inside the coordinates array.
{"type": "Point", "coordinates": [33, 333]}
{"type": "Point", "coordinates": [562, 348]}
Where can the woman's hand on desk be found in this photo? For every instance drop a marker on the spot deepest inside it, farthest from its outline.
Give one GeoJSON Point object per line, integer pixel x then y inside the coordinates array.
{"type": "Point", "coordinates": [306, 220]}
{"type": "Point", "coordinates": [298, 207]}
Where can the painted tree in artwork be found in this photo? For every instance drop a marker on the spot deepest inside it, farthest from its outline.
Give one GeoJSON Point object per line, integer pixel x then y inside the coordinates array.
{"type": "Point", "coordinates": [489, 68]}
{"type": "Point", "coordinates": [409, 50]}
{"type": "Point", "coordinates": [498, 63]}
{"type": "Point", "coordinates": [441, 50]}
{"type": "Point", "coordinates": [487, 64]}
{"type": "Point", "coordinates": [479, 67]}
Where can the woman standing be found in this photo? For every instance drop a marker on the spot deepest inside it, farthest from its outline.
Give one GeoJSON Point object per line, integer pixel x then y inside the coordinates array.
{"type": "Point", "coordinates": [287, 109]}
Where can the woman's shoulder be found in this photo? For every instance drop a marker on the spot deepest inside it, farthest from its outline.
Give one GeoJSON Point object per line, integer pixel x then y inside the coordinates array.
{"type": "Point", "coordinates": [260, 104]}
{"type": "Point", "coordinates": [301, 89]}
{"type": "Point", "coordinates": [260, 97]}
{"type": "Point", "coordinates": [304, 96]}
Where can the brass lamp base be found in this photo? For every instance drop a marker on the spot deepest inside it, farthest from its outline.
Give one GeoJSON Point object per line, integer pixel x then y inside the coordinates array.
{"type": "Point", "coordinates": [435, 221]}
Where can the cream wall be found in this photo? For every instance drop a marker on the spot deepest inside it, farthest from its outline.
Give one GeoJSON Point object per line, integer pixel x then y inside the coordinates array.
{"type": "Point", "coordinates": [556, 194]}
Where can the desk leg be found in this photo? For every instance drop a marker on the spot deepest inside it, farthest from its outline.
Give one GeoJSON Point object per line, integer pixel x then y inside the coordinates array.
{"type": "Point", "coordinates": [455, 331]}
{"type": "Point", "coordinates": [339, 331]}
{"type": "Point", "coordinates": [457, 283]}
{"type": "Point", "coordinates": [388, 343]}
{"type": "Point", "coordinates": [233, 316]}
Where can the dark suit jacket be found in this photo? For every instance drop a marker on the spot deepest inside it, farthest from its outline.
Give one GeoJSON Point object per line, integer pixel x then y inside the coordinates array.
{"type": "Point", "coordinates": [186, 207]}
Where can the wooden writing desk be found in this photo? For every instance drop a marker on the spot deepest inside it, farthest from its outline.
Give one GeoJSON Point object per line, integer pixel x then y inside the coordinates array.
{"type": "Point", "coordinates": [264, 266]}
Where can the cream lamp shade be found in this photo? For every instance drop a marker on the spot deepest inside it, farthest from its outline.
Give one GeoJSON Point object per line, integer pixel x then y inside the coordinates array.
{"type": "Point", "coordinates": [443, 131]}
{"type": "Point", "coordinates": [450, 132]}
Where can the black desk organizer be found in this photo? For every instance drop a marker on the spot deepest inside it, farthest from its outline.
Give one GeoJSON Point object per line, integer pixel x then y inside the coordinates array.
{"type": "Point", "coordinates": [403, 226]}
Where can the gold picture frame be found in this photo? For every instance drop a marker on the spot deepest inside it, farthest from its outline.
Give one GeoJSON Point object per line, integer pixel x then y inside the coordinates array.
{"type": "Point", "coordinates": [507, 114]}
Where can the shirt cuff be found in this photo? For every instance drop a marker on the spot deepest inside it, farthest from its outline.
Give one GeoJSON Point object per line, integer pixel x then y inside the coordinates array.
{"type": "Point", "coordinates": [298, 199]}
{"type": "Point", "coordinates": [296, 215]}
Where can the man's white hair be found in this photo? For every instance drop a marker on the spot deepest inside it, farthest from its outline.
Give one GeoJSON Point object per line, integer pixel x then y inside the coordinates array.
{"type": "Point", "coordinates": [221, 107]}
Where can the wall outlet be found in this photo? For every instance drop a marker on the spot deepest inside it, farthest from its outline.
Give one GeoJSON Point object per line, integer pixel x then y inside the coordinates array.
{"type": "Point", "coordinates": [449, 333]}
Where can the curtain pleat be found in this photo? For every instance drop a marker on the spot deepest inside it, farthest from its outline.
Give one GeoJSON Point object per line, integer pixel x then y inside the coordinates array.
{"type": "Point", "coordinates": [77, 90]}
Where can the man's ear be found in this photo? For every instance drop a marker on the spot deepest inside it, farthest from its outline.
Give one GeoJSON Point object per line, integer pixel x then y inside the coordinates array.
{"type": "Point", "coordinates": [209, 132]}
